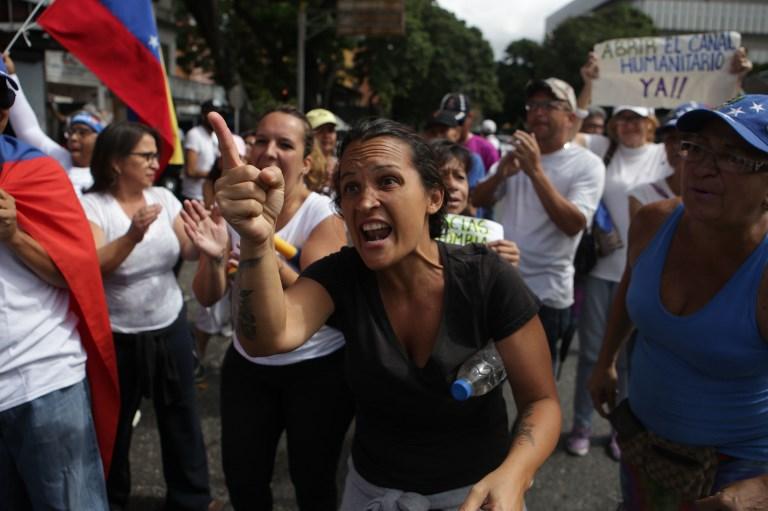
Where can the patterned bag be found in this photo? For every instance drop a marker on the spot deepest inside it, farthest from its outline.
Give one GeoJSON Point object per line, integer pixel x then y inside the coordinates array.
{"type": "Point", "coordinates": [687, 471]}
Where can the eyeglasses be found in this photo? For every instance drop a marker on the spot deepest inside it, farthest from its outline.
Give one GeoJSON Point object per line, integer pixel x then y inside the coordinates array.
{"type": "Point", "coordinates": [79, 131]}
{"type": "Point", "coordinates": [149, 156]}
{"type": "Point", "coordinates": [728, 163]}
{"type": "Point", "coordinates": [550, 105]}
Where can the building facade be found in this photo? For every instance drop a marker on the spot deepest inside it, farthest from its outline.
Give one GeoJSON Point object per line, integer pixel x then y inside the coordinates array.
{"type": "Point", "coordinates": [748, 17]}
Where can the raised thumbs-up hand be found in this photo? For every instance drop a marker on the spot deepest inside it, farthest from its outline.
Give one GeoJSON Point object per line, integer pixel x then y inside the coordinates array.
{"type": "Point", "coordinates": [249, 199]}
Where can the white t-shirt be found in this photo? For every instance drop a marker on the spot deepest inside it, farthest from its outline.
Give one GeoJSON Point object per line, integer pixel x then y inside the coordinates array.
{"type": "Point", "coordinates": [81, 178]}
{"type": "Point", "coordinates": [314, 210]}
{"type": "Point", "coordinates": [652, 192]}
{"type": "Point", "coordinates": [628, 168]}
{"type": "Point", "coordinates": [546, 252]}
{"type": "Point", "coordinates": [40, 349]}
{"type": "Point", "coordinates": [206, 145]}
{"type": "Point", "coordinates": [142, 293]}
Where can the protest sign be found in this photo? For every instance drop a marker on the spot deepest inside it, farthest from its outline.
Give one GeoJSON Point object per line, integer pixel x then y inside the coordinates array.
{"type": "Point", "coordinates": [662, 72]}
{"type": "Point", "coordinates": [463, 230]}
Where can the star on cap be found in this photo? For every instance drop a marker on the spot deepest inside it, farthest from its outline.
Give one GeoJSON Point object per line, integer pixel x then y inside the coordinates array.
{"type": "Point", "coordinates": [735, 112]}
{"type": "Point", "coordinates": [757, 107]}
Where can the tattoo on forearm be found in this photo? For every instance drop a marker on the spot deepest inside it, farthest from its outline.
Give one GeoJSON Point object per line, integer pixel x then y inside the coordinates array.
{"type": "Point", "coordinates": [245, 317]}
{"type": "Point", "coordinates": [248, 263]}
{"type": "Point", "coordinates": [523, 430]}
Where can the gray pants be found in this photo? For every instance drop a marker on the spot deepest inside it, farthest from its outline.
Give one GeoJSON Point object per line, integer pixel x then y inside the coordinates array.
{"type": "Point", "coordinates": [360, 495]}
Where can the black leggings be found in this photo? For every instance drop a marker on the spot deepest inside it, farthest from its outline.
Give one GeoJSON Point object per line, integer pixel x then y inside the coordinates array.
{"type": "Point", "coordinates": [159, 364]}
{"type": "Point", "coordinates": [310, 401]}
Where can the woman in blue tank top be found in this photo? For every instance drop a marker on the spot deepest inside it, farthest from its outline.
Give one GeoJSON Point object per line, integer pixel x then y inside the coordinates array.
{"type": "Point", "coordinates": [696, 288]}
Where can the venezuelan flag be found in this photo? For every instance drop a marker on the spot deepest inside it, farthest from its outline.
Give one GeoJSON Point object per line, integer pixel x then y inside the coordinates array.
{"type": "Point", "coordinates": [117, 40]}
{"type": "Point", "coordinates": [49, 211]}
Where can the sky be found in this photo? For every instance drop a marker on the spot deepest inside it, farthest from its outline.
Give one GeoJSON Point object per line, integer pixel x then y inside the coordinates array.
{"type": "Point", "coordinates": [503, 21]}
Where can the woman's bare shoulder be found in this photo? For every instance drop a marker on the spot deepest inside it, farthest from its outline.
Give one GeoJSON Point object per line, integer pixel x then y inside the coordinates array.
{"type": "Point", "coordinates": [646, 224]}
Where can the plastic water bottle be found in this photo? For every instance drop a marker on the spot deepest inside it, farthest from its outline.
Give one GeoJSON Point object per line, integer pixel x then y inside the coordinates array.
{"type": "Point", "coordinates": [479, 374]}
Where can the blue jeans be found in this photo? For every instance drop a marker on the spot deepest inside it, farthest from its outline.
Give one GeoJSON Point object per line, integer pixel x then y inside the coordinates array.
{"type": "Point", "coordinates": [556, 323]}
{"type": "Point", "coordinates": [598, 297]}
{"type": "Point", "coordinates": [49, 458]}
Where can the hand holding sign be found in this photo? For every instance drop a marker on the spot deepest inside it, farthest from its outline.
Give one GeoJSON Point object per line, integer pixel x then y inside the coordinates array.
{"type": "Point", "coordinates": [740, 63]}
{"type": "Point", "coordinates": [249, 199]}
{"type": "Point", "coordinates": [590, 70]}
{"type": "Point", "coordinates": [662, 72]}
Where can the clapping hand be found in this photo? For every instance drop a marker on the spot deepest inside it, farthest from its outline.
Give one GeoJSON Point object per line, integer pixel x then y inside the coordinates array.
{"type": "Point", "coordinates": [206, 229]}
{"type": "Point", "coordinates": [142, 220]}
{"type": "Point", "coordinates": [509, 165]}
{"type": "Point", "coordinates": [249, 198]}
{"type": "Point", "coordinates": [527, 152]}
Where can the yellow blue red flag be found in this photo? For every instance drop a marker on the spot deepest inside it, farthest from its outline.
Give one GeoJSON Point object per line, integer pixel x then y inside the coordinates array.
{"type": "Point", "coordinates": [118, 41]}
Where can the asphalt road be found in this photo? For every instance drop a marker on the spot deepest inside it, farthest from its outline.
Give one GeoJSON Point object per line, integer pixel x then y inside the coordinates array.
{"type": "Point", "coordinates": [564, 483]}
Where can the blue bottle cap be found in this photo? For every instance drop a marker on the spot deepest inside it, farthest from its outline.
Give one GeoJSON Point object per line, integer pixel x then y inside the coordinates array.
{"type": "Point", "coordinates": [461, 390]}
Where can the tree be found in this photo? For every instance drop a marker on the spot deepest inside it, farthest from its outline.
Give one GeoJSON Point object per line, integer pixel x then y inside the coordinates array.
{"type": "Point", "coordinates": [254, 41]}
{"type": "Point", "coordinates": [438, 54]}
{"type": "Point", "coordinates": [565, 50]}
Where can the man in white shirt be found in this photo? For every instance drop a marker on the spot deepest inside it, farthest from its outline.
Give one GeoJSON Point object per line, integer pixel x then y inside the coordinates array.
{"type": "Point", "coordinates": [548, 190]}
{"type": "Point", "coordinates": [52, 313]}
{"type": "Point", "coordinates": [201, 148]}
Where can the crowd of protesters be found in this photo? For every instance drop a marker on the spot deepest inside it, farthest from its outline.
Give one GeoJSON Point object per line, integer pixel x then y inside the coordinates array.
{"type": "Point", "coordinates": [322, 255]}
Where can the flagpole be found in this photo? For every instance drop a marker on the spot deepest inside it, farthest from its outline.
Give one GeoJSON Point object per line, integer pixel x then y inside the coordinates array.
{"type": "Point", "coordinates": [24, 26]}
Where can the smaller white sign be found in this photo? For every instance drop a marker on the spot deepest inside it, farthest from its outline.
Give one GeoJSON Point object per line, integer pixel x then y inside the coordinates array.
{"type": "Point", "coordinates": [463, 230]}
{"type": "Point", "coordinates": [662, 72]}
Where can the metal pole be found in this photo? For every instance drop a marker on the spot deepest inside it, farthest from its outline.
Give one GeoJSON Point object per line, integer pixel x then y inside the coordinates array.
{"type": "Point", "coordinates": [302, 37]}
{"type": "Point", "coordinates": [24, 25]}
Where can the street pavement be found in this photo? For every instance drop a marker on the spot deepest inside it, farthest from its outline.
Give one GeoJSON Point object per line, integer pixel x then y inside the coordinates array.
{"type": "Point", "coordinates": [564, 483]}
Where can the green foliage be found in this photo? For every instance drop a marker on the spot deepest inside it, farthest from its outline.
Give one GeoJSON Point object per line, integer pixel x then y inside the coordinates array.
{"type": "Point", "coordinates": [565, 50]}
{"type": "Point", "coordinates": [254, 41]}
{"type": "Point", "coordinates": [438, 54]}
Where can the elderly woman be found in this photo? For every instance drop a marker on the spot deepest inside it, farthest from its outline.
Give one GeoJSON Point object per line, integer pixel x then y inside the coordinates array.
{"type": "Point", "coordinates": [668, 186]}
{"type": "Point", "coordinates": [412, 310]}
{"type": "Point", "coordinates": [139, 235]}
{"type": "Point", "coordinates": [631, 160]}
{"type": "Point", "coordinates": [696, 288]}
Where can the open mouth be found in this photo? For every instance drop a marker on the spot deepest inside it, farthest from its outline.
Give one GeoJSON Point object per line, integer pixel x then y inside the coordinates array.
{"type": "Point", "coordinates": [699, 191]}
{"type": "Point", "coordinates": [375, 231]}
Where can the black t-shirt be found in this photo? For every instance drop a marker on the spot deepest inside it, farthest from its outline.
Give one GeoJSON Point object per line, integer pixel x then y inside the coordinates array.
{"type": "Point", "coordinates": [410, 433]}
